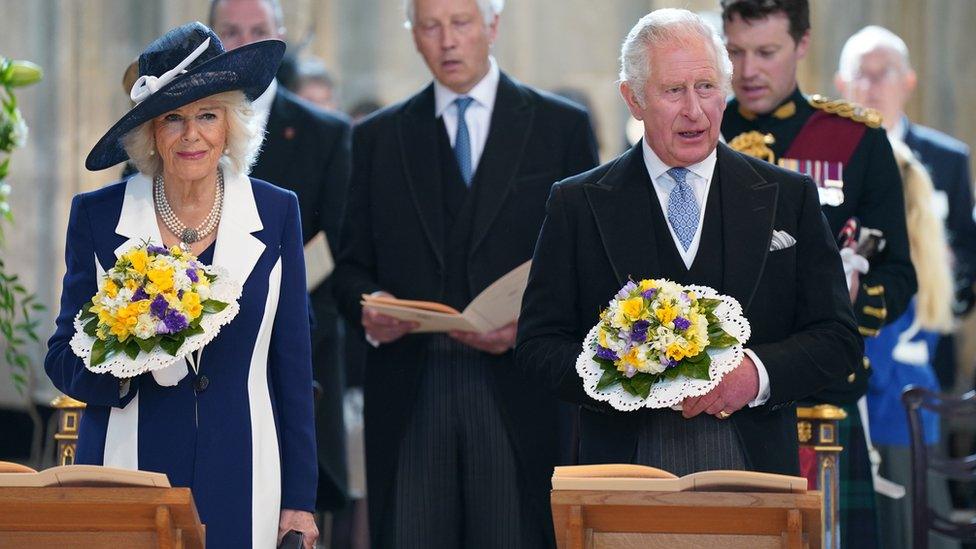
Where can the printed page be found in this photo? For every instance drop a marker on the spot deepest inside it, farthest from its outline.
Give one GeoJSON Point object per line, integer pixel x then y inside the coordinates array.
{"type": "Point", "coordinates": [318, 261]}
{"type": "Point", "coordinates": [500, 303]}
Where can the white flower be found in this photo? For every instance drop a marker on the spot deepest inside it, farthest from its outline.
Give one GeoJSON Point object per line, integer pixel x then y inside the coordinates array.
{"type": "Point", "coordinates": [181, 281]}
{"type": "Point", "coordinates": [203, 291]}
{"type": "Point", "coordinates": [145, 326]}
{"type": "Point", "coordinates": [19, 134]}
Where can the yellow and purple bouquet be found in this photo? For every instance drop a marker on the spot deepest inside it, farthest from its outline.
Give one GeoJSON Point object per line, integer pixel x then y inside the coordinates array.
{"type": "Point", "coordinates": [152, 308]}
{"type": "Point", "coordinates": [656, 330]}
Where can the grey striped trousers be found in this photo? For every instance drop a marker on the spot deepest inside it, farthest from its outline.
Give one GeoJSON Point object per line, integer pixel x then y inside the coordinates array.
{"type": "Point", "coordinates": [457, 480]}
{"type": "Point", "coordinates": [669, 441]}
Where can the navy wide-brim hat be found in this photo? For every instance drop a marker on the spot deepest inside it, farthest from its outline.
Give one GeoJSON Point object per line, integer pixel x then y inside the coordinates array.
{"type": "Point", "coordinates": [182, 67]}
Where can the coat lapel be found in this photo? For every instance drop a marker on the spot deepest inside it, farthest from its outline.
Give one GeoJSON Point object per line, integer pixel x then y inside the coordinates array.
{"type": "Point", "coordinates": [417, 131]}
{"type": "Point", "coordinates": [511, 125]}
{"type": "Point", "coordinates": [137, 222]}
{"type": "Point", "coordinates": [621, 205]}
{"type": "Point", "coordinates": [748, 211]}
{"type": "Point", "coordinates": [237, 249]}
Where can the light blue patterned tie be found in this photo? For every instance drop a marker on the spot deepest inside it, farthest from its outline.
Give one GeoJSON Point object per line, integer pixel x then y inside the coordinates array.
{"type": "Point", "coordinates": [682, 207]}
{"type": "Point", "coordinates": [462, 141]}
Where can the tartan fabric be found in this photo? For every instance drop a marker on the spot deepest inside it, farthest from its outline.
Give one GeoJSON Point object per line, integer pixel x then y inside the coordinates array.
{"type": "Point", "coordinates": [857, 512]}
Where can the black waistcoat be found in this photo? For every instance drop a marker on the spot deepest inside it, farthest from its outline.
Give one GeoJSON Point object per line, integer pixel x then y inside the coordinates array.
{"type": "Point", "coordinates": [459, 205]}
{"type": "Point", "coordinates": [706, 269]}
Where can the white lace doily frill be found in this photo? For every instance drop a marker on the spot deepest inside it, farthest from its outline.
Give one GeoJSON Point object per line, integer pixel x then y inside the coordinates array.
{"type": "Point", "coordinates": [670, 392]}
{"type": "Point", "coordinates": [122, 366]}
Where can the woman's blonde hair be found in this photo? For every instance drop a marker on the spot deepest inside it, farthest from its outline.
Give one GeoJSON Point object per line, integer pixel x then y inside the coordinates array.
{"type": "Point", "coordinates": [929, 247]}
{"type": "Point", "coordinates": [243, 138]}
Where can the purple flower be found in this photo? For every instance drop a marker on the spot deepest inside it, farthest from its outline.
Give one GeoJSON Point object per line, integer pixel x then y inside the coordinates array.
{"type": "Point", "coordinates": [192, 275]}
{"type": "Point", "coordinates": [638, 332]}
{"type": "Point", "coordinates": [175, 322]}
{"type": "Point", "coordinates": [159, 306]}
{"type": "Point", "coordinates": [161, 328]}
{"type": "Point", "coordinates": [179, 295]}
{"type": "Point", "coordinates": [604, 353]}
{"type": "Point", "coordinates": [667, 362]}
{"type": "Point", "coordinates": [630, 371]}
{"type": "Point", "coordinates": [649, 294]}
{"type": "Point", "coordinates": [684, 297]}
{"type": "Point", "coordinates": [158, 250]}
{"type": "Point", "coordinates": [624, 292]}
{"type": "Point", "coordinates": [681, 323]}
{"type": "Point", "coordinates": [139, 294]}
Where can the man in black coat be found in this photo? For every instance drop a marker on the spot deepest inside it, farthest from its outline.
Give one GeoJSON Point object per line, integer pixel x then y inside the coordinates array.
{"type": "Point", "coordinates": [875, 70]}
{"type": "Point", "coordinates": [306, 150]}
{"type": "Point", "coordinates": [681, 207]}
{"type": "Point", "coordinates": [448, 194]}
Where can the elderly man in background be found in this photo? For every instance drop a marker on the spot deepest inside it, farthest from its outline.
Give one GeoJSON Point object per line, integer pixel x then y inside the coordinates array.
{"type": "Point", "coordinates": [681, 206]}
{"type": "Point", "coordinates": [876, 72]}
{"type": "Point", "coordinates": [306, 150]}
{"type": "Point", "coordinates": [448, 194]}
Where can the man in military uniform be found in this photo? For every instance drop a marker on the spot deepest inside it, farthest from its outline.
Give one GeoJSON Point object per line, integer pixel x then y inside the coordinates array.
{"type": "Point", "coordinates": [842, 147]}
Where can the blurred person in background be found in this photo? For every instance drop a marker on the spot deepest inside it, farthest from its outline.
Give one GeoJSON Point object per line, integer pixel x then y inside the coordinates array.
{"type": "Point", "coordinates": [305, 150]}
{"type": "Point", "coordinates": [315, 83]}
{"type": "Point", "coordinates": [875, 71]}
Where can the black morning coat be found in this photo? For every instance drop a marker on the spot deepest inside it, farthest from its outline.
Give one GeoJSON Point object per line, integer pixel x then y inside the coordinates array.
{"type": "Point", "coordinates": [394, 240]}
{"type": "Point", "coordinates": [599, 232]}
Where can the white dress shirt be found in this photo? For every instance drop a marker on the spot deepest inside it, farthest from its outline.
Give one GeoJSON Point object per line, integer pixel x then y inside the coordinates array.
{"type": "Point", "coordinates": [478, 114]}
{"type": "Point", "coordinates": [700, 178]}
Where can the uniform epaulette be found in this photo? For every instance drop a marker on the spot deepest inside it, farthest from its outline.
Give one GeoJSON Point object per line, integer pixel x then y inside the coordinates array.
{"type": "Point", "coordinates": [846, 109]}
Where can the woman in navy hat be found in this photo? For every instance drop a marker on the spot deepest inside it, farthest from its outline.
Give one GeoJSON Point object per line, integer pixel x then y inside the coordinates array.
{"type": "Point", "coordinates": [238, 427]}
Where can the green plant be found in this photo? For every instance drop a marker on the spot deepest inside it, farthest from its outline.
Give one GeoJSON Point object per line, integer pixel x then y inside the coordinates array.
{"type": "Point", "coordinates": [18, 326]}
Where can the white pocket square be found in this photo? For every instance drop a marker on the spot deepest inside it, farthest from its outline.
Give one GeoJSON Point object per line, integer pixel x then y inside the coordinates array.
{"type": "Point", "coordinates": [781, 241]}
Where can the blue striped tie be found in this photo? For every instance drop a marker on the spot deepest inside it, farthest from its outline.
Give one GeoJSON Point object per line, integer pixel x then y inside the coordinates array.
{"type": "Point", "coordinates": [462, 141]}
{"type": "Point", "coordinates": [682, 208]}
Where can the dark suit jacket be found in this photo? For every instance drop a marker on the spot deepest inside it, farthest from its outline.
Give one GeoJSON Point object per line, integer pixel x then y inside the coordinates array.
{"type": "Point", "coordinates": [947, 161]}
{"type": "Point", "coordinates": [307, 150]}
{"type": "Point", "coordinates": [393, 240]}
{"type": "Point", "coordinates": [598, 233]}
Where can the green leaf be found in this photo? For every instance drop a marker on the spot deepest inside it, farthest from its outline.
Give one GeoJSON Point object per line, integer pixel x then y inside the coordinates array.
{"type": "Point", "coordinates": [695, 370]}
{"type": "Point", "coordinates": [605, 364]}
{"type": "Point", "coordinates": [721, 340]}
{"type": "Point", "coordinates": [171, 344]}
{"type": "Point", "coordinates": [642, 384]}
{"type": "Point", "coordinates": [148, 345]}
{"type": "Point", "coordinates": [628, 385]}
{"type": "Point", "coordinates": [608, 379]}
{"type": "Point", "coordinates": [213, 306]}
{"type": "Point", "coordinates": [194, 329]}
{"type": "Point", "coordinates": [91, 327]}
{"type": "Point", "coordinates": [131, 348]}
{"type": "Point", "coordinates": [99, 353]}
{"type": "Point", "coordinates": [709, 304]}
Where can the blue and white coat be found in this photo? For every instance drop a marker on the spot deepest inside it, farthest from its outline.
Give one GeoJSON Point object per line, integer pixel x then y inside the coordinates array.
{"type": "Point", "coordinates": [245, 444]}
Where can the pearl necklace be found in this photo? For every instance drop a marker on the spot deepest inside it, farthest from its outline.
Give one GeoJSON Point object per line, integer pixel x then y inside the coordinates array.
{"type": "Point", "coordinates": [186, 234]}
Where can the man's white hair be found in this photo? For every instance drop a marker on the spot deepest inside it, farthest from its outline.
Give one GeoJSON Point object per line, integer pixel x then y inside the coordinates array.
{"type": "Point", "coordinates": [666, 27]}
{"type": "Point", "coordinates": [865, 41]}
{"type": "Point", "coordinates": [488, 8]}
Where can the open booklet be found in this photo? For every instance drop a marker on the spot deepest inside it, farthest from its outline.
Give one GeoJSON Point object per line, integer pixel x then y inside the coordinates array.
{"type": "Point", "coordinates": [85, 475]}
{"type": "Point", "coordinates": [495, 307]}
{"type": "Point", "coordinates": [626, 477]}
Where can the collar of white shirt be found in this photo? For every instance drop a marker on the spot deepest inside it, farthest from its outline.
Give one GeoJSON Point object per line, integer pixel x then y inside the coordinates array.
{"type": "Point", "coordinates": [700, 180]}
{"type": "Point", "coordinates": [656, 167]}
{"type": "Point", "coordinates": [483, 92]}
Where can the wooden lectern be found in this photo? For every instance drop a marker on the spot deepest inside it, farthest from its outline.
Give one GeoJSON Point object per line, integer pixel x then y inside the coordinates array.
{"type": "Point", "coordinates": [688, 519]}
{"type": "Point", "coordinates": [95, 518]}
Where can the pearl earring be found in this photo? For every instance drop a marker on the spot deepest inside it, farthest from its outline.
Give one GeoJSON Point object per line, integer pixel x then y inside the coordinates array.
{"type": "Point", "coordinates": [227, 151]}
{"type": "Point", "coordinates": [152, 152]}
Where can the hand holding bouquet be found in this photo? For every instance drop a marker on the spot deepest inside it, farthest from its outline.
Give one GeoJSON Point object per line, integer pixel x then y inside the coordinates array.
{"type": "Point", "coordinates": [155, 306]}
{"type": "Point", "coordinates": [658, 342]}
